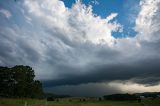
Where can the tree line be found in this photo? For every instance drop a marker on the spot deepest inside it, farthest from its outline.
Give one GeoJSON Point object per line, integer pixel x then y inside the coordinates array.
{"type": "Point", "coordinates": [18, 81]}
{"type": "Point", "coordinates": [130, 97]}
{"type": "Point", "coordinates": [121, 97]}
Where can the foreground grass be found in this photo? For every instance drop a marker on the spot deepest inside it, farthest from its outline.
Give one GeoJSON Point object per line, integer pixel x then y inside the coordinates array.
{"type": "Point", "coordinates": [21, 102]}
{"type": "Point", "coordinates": [66, 102]}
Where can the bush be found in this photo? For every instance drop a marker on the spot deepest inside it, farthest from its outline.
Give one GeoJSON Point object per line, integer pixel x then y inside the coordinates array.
{"type": "Point", "coordinates": [50, 99]}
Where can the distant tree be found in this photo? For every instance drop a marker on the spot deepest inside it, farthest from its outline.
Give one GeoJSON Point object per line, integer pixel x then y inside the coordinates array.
{"type": "Point", "coordinates": [99, 99]}
{"type": "Point", "coordinates": [139, 100]}
{"type": "Point", "coordinates": [70, 100]}
{"type": "Point", "coordinates": [57, 100]}
{"type": "Point", "coordinates": [84, 100]}
{"type": "Point", "coordinates": [80, 100]}
{"type": "Point", "coordinates": [19, 81]}
{"type": "Point", "coordinates": [50, 99]}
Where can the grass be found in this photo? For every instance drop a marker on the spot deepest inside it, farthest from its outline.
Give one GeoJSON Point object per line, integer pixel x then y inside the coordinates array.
{"type": "Point", "coordinates": [151, 101]}
{"type": "Point", "coordinates": [21, 102]}
{"type": "Point", "coordinates": [75, 102]}
{"type": "Point", "coordinates": [104, 103]}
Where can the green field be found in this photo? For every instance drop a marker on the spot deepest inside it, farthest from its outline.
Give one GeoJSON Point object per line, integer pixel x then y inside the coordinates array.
{"type": "Point", "coordinates": [75, 102]}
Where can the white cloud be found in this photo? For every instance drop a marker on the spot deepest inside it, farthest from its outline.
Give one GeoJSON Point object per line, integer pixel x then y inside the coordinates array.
{"type": "Point", "coordinates": [130, 87]}
{"type": "Point", "coordinates": [74, 22]}
{"type": "Point", "coordinates": [147, 22]}
{"type": "Point", "coordinates": [110, 17]}
{"type": "Point", "coordinates": [6, 13]}
{"type": "Point", "coordinates": [95, 2]}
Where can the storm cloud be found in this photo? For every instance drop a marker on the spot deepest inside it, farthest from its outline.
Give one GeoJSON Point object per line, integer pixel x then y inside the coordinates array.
{"type": "Point", "coordinates": [74, 46]}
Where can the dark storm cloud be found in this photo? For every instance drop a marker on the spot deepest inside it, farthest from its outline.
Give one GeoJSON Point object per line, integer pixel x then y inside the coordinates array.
{"type": "Point", "coordinates": [89, 89]}
{"type": "Point", "coordinates": [143, 72]}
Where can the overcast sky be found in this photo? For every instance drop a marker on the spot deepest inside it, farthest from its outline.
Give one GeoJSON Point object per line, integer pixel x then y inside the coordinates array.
{"type": "Point", "coordinates": [84, 48]}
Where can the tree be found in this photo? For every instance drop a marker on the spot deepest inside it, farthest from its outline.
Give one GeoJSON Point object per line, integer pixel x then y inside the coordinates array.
{"type": "Point", "coordinates": [19, 81]}
{"type": "Point", "coordinates": [6, 81]}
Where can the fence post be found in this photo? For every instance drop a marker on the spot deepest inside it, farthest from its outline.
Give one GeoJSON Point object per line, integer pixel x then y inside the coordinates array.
{"type": "Point", "coordinates": [25, 104]}
{"type": "Point", "coordinates": [46, 103]}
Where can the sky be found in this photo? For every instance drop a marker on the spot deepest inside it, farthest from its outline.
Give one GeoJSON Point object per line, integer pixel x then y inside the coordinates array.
{"type": "Point", "coordinates": [84, 47]}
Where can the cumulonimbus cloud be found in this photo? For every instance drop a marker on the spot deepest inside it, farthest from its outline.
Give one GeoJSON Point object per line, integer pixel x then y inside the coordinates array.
{"type": "Point", "coordinates": [68, 46]}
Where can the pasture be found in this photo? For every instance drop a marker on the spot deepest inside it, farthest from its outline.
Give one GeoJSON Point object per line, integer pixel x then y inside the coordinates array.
{"type": "Point", "coordinates": [76, 102]}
